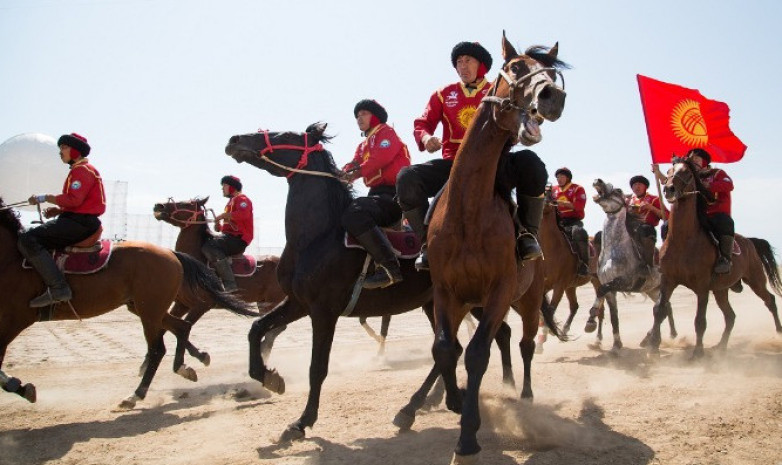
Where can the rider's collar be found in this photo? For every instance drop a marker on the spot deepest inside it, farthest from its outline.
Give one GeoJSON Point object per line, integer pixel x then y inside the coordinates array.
{"type": "Point", "coordinates": [473, 88]}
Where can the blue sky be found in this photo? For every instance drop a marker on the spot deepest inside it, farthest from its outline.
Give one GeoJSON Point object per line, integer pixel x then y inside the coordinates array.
{"type": "Point", "coordinates": [158, 87]}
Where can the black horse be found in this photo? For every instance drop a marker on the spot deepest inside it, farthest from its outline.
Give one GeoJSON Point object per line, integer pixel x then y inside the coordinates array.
{"type": "Point", "coordinates": [316, 271]}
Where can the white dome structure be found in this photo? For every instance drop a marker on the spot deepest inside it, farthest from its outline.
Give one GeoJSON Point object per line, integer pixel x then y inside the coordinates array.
{"type": "Point", "coordinates": [30, 164]}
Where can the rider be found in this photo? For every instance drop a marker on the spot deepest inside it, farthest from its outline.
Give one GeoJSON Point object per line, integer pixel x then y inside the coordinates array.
{"type": "Point", "coordinates": [718, 212]}
{"type": "Point", "coordinates": [378, 159]}
{"type": "Point", "coordinates": [454, 107]}
{"type": "Point", "coordinates": [81, 203]}
{"type": "Point", "coordinates": [571, 200]}
{"type": "Point", "coordinates": [236, 227]}
{"type": "Point", "coordinates": [647, 208]}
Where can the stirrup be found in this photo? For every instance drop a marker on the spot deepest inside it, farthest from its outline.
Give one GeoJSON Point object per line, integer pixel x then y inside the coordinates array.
{"type": "Point", "coordinates": [723, 265]}
{"type": "Point", "coordinates": [422, 262]}
{"type": "Point", "coordinates": [380, 279]}
{"type": "Point", "coordinates": [48, 298]}
{"type": "Point", "coordinates": [529, 248]}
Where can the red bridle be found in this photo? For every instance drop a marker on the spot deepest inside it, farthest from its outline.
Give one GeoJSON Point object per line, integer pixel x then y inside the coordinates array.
{"type": "Point", "coordinates": [194, 214]}
{"type": "Point", "coordinates": [304, 156]}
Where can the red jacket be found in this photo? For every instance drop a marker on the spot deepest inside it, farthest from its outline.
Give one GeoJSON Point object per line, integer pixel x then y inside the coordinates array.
{"type": "Point", "coordinates": [241, 223]}
{"type": "Point", "coordinates": [83, 190]}
{"type": "Point", "coordinates": [380, 156]}
{"type": "Point", "coordinates": [574, 194]}
{"type": "Point", "coordinates": [720, 185]}
{"type": "Point", "coordinates": [648, 199]}
{"type": "Point", "coordinates": [454, 105]}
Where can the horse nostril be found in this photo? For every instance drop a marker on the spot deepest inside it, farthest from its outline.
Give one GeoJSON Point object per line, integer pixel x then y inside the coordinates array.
{"type": "Point", "coordinates": [545, 93]}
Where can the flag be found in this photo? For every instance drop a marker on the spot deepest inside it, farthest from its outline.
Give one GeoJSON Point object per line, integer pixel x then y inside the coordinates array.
{"type": "Point", "coordinates": [679, 119]}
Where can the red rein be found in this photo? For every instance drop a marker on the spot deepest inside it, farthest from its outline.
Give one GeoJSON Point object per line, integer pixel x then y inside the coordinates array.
{"type": "Point", "coordinates": [306, 150]}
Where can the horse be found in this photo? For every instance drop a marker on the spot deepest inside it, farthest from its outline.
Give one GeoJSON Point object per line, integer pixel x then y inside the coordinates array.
{"type": "Point", "coordinates": [620, 267]}
{"type": "Point", "coordinates": [560, 265]}
{"type": "Point", "coordinates": [261, 287]}
{"type": "Point", "coordinates": [689, 253]}
{"type": "Point", "coordinates": [142, 276]}
{"type": "Point", "coordinates": [472, 238]}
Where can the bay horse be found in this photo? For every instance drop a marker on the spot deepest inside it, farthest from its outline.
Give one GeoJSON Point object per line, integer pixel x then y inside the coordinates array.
{"type": "Point", "coordinates": [688, 256]}
{"type": "Point", "coordinates": [261, 287]}
{"type": "Point", "coordinates": [316, 271]}
{"type": "Point", "coordinates": [620, 267]}
{"type": "Point", "coordinates": [142, 276]}
{"type": "Point", "coordinates": [471, 235]}
{"type": "Point", "coordinates": [560, 265]}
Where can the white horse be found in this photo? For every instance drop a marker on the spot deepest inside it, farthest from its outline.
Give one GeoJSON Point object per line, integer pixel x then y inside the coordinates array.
{"type": "Point", "coordinates": [620, 267]}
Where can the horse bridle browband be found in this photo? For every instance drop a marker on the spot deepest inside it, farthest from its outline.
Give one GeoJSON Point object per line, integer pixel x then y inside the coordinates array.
{"type": "Point", "coordinates": [306, 150]}
{"type": "Point", "coordinates": [506, 103]}
{"type": "Point", "coordinates": [192, 219]}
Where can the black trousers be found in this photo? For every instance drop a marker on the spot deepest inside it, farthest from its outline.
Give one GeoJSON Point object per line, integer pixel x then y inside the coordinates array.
{"type": "Point", "coordinates": [378, 208]}
{"type": "Point", "coordinates": [575, 229]}
{"type": "Point", "coordinates": [219, 247]}
{"type": "Point", "coordinates": [522, 170]}
{"type": "Point", "coordinates": [67, 229]}
{"type": "Point", "coordinates": [722, 225]}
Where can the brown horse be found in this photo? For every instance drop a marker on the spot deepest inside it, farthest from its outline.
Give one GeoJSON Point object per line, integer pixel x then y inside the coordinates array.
{"type": "Point", "coordinates": [144, 277]}
{"type": "Point", "coordinates": [688, 255]}
{"type": "Point", "coordinates": [471, 238]}
{"type": "Point", "coordinates": [561, 265]}
{"type": "Point", "coordinates": [261, 287]}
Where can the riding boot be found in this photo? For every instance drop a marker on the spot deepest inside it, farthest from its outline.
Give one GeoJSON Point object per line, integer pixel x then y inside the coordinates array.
{"type": "Point", "coordinates": [647, 250]}
{"type": "Point", "coordinates": [387, 271]}
{"type": "Point", "coordinates": [415, 218]}
{"type": "Point", "coordinates": [529, 213]}
{"type": "Point", "coordinates": [57, 289]}
{"type": "Point", "coordinates": [582, 247]}
{"type": "Point", "coordinates": [724, 263]}
{"type": "Point", "coordinates": [226, 274]}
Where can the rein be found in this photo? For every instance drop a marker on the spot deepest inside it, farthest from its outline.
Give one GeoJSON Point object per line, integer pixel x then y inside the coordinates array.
{"type": "Point", "coordinates": [303, 160]}
{"type": "Point", "coordinates": [192, 219]}
{"type": "Point", "coordinates": [506, 103]}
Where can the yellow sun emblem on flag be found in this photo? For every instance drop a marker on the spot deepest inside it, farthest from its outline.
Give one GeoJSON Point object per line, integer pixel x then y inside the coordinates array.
{"type": "Point", "coordinates": [688, 124]}
{"type": "Point", "coordinates": [466, 115]}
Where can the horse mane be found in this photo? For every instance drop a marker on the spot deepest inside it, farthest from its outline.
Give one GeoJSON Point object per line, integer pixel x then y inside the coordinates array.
{"type": "Point", "coordinates": [704, 195]}
{"type": "Point", "coordinates": [9, 219]}
{"type": "Point", "coordinates": [540, 53]}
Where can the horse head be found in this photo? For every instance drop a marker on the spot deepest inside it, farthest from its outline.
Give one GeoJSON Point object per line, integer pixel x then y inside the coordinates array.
{"type": "Point", "coordinates": [181, 214]}
{"type": "Point", "coordinates": [526, 92]}
{"type": "Point", "coordinates": [683, 181]}
{"type": "Point", "coordinates": [611, 199]}
{"type": "Point", "coordinates": [284, 153]}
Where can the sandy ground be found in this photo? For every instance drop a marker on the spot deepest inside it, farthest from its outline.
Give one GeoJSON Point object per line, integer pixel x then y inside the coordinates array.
{"type": "Point", "coordinates": [591, 407]}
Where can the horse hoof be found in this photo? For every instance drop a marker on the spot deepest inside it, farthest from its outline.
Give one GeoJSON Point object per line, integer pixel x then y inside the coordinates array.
{"type": "Point", "coordinates": [274, 382]}
{"type": "Point", "coordinates": [404, 421]}
{"type": "Point", "coordinates": [187, 373]}
{"type": "Point", "coordinates": [206, 359]}
{"type": "Point", "coordinates": [29, 393]}
{"type": "Point", "coordinates": [645, 341]}
{"type": "Point", "coordinates": [129, 403]}
{"type": "Point", "coordinates": [13, 385]}
{"type": "Point", "coordinates": [590, 327]}
{"type": "Point", "coordinates": [465, 459]}
{"type": "Point", "coordinates": [674, 334]}
{"type": "Point", "coordinates": [291, 434]}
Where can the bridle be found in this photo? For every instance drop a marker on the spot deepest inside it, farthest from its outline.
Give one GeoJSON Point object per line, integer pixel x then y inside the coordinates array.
{"type": "Point", "coordinates": [193, 214]}
{"type": "Point", "coordinates": [509, 103]}
{"type": "Point", "coordinates": [303, 160]}
{"type": "Point", "coordinates": [680, 192]}
{"type": "Point", "coordinates": [610, 197]}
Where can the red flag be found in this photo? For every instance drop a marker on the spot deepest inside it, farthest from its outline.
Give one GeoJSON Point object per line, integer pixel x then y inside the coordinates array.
{"type": "Point", "coordinates": [679, 119]}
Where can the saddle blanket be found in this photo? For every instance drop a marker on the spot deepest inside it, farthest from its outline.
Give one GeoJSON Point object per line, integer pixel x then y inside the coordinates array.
{"type": "Point", "coordinates": [405, 243]}
{"type": "Point", "coordinates": [243, 265]}
{"type": "Point", "coordinates": [81, 260]}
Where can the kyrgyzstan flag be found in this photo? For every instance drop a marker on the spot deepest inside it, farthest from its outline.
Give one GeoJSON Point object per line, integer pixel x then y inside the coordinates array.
{"type": "Point", "coordinates": [679, 119]}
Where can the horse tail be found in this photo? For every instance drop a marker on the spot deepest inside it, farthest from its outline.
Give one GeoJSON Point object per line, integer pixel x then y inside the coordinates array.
{"type": "Point", "coordinates": [199, 278]}
{"type": "Point", "coordinates": [766, 253]}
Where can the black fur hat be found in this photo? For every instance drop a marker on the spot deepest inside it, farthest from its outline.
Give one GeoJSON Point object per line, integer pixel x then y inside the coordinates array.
{"type": "Point", "coordinates": [75, 141]}
{"type": "Point", "coordinates": [701, 153]}
{"type": "Point", "coordinates": [232, 181]}
{"type": "Point", "coordinates": [639, 178]}
{"type": "Point", "coordinates": [373, 107]}
{"type": "Point", "coordinates": [564, 170]}
{"type": "Point", "coordinates": [473, 49]}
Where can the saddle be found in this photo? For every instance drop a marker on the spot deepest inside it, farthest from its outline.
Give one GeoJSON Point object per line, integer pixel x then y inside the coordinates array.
{"type": "Point", "coordinates": [405, 243]}
{"type": "Point", "coordinates": [86, 257]}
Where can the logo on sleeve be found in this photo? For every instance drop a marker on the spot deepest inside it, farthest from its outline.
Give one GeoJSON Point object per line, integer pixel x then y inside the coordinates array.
{"type": "Point", "coordinates": [243, 205]}
{"type": "Point", "coordinates": [385, 143]}
{"type": "Point", "coordinates": [76, 185]}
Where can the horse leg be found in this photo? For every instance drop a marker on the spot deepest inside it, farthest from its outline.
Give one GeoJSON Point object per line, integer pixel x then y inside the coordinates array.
{"type": "Point", "coordinates": [661, 309]}
{"type": "Point", "coordinates": [572, 299]}
{"type": "Point", "coordinates": [614, 312]}
{"type": "Point", "coordinates": [502, 339]}
{"type": "Point", "coordinates": [594, 312]}
{"type": "Point", "coordinates": [405, 418]}
{"type": "Point", "coordinates": [323, 327]}
{"type": "Point", "coordinates": [700, 322]}
{"type": "Point", "coordinates": [191, 315]}
{"type": "Point", "coordinates": [721, 296]}
{"type": "Point", "coordinates": [446, 349]}
{"type": "Point", "coordinates": [284, 313]}
{"type": "Point", "coordinates": [385, 322]}
{"type": "Point", "coordinates": [530, 320]}
{"type": "Point", "coordinates": [757, 282]}
{"type": "Point", "coordinates": [10, 383]}
{"type": "Point", "coordinates": [156, 349]}
{"type": "Point", "coordinates": [267, 342]}
{"type": "Point", "coordinates": [180, 329]}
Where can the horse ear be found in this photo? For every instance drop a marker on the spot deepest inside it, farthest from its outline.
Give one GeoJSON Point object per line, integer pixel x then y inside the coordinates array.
{"type": "Point", "coordinates": [317, 129]}
{"type": "Point", "coordinates": [203, 201]}
{"type": "Point", "coordinates": [554, 50]}
{"type": "Point", "coordinates": [508, 51]}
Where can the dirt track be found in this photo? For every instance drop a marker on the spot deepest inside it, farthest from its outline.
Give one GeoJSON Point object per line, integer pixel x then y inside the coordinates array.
{"type": "Point", "coordinates": [590, 407]}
